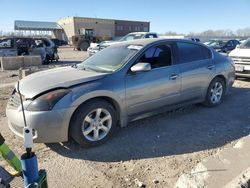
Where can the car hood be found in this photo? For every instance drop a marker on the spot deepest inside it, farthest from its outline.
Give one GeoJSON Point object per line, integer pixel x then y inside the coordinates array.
{"type": "Point", "coordinates": [240, 52]}
{"type": "Point", "coordinates": [39, 82]}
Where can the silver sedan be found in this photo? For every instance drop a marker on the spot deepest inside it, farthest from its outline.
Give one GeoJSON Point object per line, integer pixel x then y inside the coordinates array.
{"type": "Point", "coordinates": [122, 83]}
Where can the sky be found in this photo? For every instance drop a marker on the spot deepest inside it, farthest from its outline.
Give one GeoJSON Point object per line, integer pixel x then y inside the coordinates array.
{"type": "Point", "coordinates": [181, 16]}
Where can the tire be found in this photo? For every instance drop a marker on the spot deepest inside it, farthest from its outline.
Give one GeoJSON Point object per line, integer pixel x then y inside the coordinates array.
{"type": "Point", "coordinates": [84, 46]}
{"type": "Point", "coordinates": [46, 60]}
{"type": "Point", "coordinates": [85, 123]}
{"type": "Point", "coordinates": [218, 84]}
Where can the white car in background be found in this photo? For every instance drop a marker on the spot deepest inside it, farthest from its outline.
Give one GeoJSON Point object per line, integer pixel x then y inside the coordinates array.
{"type": "Point", "coordinates": [241, 58]}
{"type": "Point", "coordinates": [242, 41]}
{"type": "Point", "coordinates": [95, 47]}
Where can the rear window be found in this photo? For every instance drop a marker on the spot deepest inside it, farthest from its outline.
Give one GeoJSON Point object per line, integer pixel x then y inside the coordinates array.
{"type": "Point", "coordinates": [245, 44]}
{"type": "Point", "coordinates": [189, 52]}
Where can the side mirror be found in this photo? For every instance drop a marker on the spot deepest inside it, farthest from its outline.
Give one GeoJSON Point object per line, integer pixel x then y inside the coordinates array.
{"type": "Point", "coordinates": [237, 46]}
{"type": "Point", "coordinates": [141, 67]}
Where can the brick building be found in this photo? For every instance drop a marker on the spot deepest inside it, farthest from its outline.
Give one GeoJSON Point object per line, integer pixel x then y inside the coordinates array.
{"type": "Point", "coordinates": [106, 28]}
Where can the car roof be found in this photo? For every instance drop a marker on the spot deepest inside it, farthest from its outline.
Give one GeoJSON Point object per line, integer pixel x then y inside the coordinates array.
{"type": "Point", "coordinates": [16, 37]}
{"type": "Point", "coordinates": [145, 42]}
{"type": "Point", "coordinates": [143, 33]}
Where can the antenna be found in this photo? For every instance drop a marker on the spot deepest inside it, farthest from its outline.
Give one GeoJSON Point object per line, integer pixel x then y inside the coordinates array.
{"type": "Point", "coordinates": [27, 131]}
{"type": "Point", "coordinates": [21, 99]}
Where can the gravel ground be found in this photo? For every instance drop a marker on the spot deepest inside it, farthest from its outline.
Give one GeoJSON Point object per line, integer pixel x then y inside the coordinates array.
{"type": "Point", "coordinates": [153, 152]}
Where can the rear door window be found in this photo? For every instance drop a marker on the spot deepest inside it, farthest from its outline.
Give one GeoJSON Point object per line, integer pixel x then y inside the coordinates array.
{"type": "Point", "coordinates": [230, 43]}
{"type": "Point", "coordinates": [189, 52]}
{"type": "Point", "coordinates": [150, 36]}
{"type": "Point", "coordinates": [6, 43]}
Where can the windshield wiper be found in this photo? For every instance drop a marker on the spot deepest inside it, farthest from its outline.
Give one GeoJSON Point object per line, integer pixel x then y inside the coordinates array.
{"type": "Point", "coordinates": [87, 68]}
{"type": "Point", "coordinates": [74, 65]}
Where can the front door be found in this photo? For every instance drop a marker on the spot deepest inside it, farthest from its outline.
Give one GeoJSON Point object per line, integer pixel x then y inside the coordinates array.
{"type": "Point", "coordinates": [160, 86]}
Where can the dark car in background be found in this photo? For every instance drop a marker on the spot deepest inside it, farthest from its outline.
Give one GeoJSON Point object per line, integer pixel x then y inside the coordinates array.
{"type": "Point", "coordinates": [224, 46]}
{"type": "Point", "coordinates": [50, 48]}
{"type": "Point", "coordinates": [59, 42]}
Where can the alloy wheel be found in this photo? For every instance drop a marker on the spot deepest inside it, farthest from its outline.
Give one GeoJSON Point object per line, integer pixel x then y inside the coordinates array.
{"type": "Point", "coordinates": [97, 124]}
{"type": "Point", "coordinates": [216, 92]}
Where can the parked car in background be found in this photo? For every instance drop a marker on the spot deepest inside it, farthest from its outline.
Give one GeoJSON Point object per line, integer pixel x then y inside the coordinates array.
{"type": "Point", "coordinates": [16, 46]}
{"type": "Point", "coordinates": [5, 43]}
{"type": "Point", "coordinates": [124, 82]}
{"type": "Point", "coordinates": [7, 47]}
{"type": "Point", "coordinates": [21, 46]}
{"type": "Point", "coordinates": [241, 58]}
{"type": "Point", "coordinates": [209, 42]}
{"type": "Point", "coordinates": [242, 40]}
{"type": "Point", "coordinates": [224, 46]}
{"type": "Point", "coordinates": [50, 48]}
{"type": "Point", "coordinates": [131, 36]}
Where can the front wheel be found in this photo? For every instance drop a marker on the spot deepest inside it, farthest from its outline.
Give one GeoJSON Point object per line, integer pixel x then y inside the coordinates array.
{"type": "Point", "coordinates": [93, 123]}
{"type": "Point", "coordinates": [84, 46]}
{"type": "Point", "coordinates": [215, 92]}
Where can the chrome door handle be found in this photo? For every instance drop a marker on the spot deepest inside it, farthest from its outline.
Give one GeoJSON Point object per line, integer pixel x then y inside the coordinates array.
{"type": "Point", "coordinates": [173, 77]}
{"type": "Point", "coordinates": [210, 67]}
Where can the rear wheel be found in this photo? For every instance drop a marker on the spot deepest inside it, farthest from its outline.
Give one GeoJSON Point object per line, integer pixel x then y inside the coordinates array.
{"type": "Point", "coordinates": [215, 92]}
{"type": "Point", "coordinates": [46, 60]}
{"type": "Point", "coordinates": [93, 123]}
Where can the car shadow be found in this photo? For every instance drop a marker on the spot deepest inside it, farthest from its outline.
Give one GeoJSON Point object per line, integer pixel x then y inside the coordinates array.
{"type": "Point", "coordinates": [186, 130]}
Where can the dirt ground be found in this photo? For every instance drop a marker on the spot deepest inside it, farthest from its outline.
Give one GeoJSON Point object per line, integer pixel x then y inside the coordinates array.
{"type": "Point", "coordinates": [153, 152]}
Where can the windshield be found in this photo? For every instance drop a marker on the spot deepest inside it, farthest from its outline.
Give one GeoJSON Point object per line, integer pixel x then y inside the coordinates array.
{"type": "Point", "coordinates": [245, 44]}
{"type": "Point", "coordinates": [109, 59]}
{"type": "Point", "coordinates": [132, 37]}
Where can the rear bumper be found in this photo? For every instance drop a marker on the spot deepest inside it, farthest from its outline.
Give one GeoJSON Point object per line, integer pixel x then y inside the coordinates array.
{"type": "Point", "coordinates": [243, 75]}
{"type": "Point", "coordinates": [48, 126]}
{"type": "Point", "coordinates": [245, 71]}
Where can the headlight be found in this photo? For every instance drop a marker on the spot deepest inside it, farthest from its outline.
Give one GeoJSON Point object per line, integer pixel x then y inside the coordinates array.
{"type": "Point", "coordinates": [47, 101]}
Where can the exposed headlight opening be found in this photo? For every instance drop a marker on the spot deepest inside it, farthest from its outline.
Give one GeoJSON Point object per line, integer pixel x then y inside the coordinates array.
{"type": "Point", "coordinates": [47, 101]}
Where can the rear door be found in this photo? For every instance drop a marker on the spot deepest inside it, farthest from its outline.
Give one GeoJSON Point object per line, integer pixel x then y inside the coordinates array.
{"type": "Point", "coordinates": [196, 68]}
{"type": "Point", "coordinates": [146, 91]}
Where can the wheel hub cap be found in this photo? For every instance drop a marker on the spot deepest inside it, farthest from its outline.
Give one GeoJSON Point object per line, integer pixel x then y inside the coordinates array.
{"type": "Point", "coordinates": [97, 124]}
{"type": "Point", "coordinates": [216, 92]}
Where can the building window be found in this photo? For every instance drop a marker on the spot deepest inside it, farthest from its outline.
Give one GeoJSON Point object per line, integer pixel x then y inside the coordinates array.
{"type": "Point", "coordinates": [145, 29]}
{"type": "Point", "coordinates": [137, 28]}
{"type": "Point", "coordinates": [119, 28]}
{"type": "Point", "coordinates": [130, 28]}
